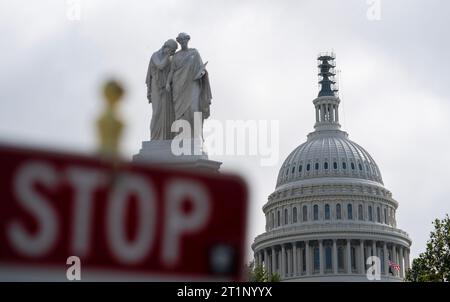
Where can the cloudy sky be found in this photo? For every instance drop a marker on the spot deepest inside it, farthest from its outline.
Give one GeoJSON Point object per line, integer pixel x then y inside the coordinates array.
{"type": "Point", "coordinates": [262, 66]}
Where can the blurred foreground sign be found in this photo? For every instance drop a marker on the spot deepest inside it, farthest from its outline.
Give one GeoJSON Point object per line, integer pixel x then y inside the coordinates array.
{"type": "Point", "coordinates": [124, 222]}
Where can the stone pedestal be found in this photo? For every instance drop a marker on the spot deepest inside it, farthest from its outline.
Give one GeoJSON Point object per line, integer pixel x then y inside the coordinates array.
{"type": "Point", "coordinates": [160, 152]}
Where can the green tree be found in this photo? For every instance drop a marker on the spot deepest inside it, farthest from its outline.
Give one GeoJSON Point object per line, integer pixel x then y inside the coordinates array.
{"type": "Point", "coordinates": [257, 273]}
{"type": "Point", "coordinates": [434, 264]}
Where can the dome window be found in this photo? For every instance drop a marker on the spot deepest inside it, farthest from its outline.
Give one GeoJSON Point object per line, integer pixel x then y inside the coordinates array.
{"type": "Point", "coordinates": [353, 166]}
{"type": "Point", "coordinates": [370, 213]}
{"type": "Point", "coordinates": [316, 212]}
{"type": "Point", "coordinates": [327, 212]}
{"type": "Point", "coordinates": [335, 165]}
{"type": "Point", "coordinates": [378, 215]}
{"type": "Point", "coordinates": [286, 217]}
{"type": "Point", "coordinates": [316, 166]}
{"type": "Point", "coordinates": [294, 215]}
{"type": "Point", "coordinates": [360, 212]}
{"type": "Point", "coordinates": [308, 167]}
{"type": "Point", "coordinates": [360, 167]}
{"type": "Point", "coordinates": [344, 165]}
{"type": "Point", "coordinates": [325, 165]}
{"type": "Point", "coordinates": [338, 211]}
{"type": "Point", "coordinates": [273, 219]}
{"type": "Point", "coordinates": [305, 213]}
{"type": "Point", "coordinates": [300, 168]}
{"type": "Point", "coordinates": [349, 212]}
{"type": "Point", "coordinates": [293, 170]}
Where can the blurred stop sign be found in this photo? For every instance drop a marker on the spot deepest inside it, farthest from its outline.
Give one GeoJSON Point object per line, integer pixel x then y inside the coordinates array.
{"type": "Point", "coordinates": [123, 221]}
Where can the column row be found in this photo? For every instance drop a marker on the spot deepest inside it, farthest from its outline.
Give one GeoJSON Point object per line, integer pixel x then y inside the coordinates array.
{"type": "Point", "coordinates": [334, 256]}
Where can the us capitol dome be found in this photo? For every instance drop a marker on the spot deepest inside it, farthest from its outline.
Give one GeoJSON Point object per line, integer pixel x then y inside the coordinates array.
{"type": "Point", "coordinates": [330, 210]}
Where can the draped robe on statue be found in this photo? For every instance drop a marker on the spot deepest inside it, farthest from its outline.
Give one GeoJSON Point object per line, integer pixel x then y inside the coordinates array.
{"type": "Point", "coordinates": [191, 91]}
{"type": "Point", "coordinates": [163, 114]}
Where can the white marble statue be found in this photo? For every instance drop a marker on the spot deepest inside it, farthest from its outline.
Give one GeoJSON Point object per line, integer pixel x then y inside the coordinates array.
{"type": "Point", "coordinates": [188, 83]}
{"type": "Point", "coordinates": [161, 99]}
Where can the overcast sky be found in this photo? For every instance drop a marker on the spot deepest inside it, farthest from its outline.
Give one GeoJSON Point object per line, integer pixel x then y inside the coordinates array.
{"type": "Point", "coordinates": [262, 66]}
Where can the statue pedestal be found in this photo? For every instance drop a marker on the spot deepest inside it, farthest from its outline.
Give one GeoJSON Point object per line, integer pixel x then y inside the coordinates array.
{"type": "Point", "coordinates": [160, 152]}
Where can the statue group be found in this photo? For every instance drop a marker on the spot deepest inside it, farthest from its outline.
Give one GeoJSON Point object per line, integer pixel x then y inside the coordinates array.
{"type": "Point", "coordinates": [177, 87]}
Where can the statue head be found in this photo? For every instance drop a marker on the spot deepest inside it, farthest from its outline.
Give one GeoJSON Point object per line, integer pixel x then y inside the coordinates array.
{"type": "Point", "coordinates": [183, 39]}
{"type": "Point", "coordinates": [170, 46]}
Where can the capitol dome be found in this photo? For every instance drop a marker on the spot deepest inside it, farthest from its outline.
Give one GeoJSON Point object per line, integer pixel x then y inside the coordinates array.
{"type": "Point", "coordinates": [326, 154]}
{"type": "Point", "coordinates": [330, 211]}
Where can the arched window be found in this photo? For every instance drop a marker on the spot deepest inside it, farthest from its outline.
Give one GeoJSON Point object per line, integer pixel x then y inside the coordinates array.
{"type": "Point", "coordinates": [338, 211]}
{"type": "Point", "coordinates": [305, 213]}
{"type": "Point", "coordinates": [349, 211]}
{"type": "Point", "coordinates": [325, 166]}
{"type": "Point", "coordinates": [353, 166]}
{"type": "Point", "coordinates": [308, 167]}
{"type": "Point", "coordinates": [360, 212]}
{"type": "Point", "coordinates": [273, 220]}
{"type": "Point", "coordinates": [286, 216]}
{"type": "Point", "coordinates": [294, 215]}
{"type": "Point", "coordinates": [316, 259]}
{"type": "Point", "coordinates": [317, 166]}
{"type": "Point", "coordinates": [316, 212]}
{"type": "Point", "coordinates": [344, 165]}
{"type": "Point", "coordinates": [293, 170]}
{"type": "Point", "coordinates": [300, 168]}
{"type": "Point", "coordinates": [370, 214]}
{"type": "Point", "coordinates": [378, 215]}
{"type": "Point", "coordinates": [287, 171]}
{"type": "Point", "coordinates": [327, 212]}
{"type": "Point", "coordinates": [385, 216]}
{"type": "Point", "coordinates": [278, 218]}
{"type": "Point", "coordinates": [335, 165]}
{"type": "Point", "coordinates": [328, 262]}
{"type": "Point", "coordinates": [360, 167]}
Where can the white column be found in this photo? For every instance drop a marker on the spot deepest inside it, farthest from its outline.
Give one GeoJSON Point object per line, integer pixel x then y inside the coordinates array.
{"type": "Point", "coordinates": [400, 259]}
{"type": "Point", "coordinates": [274, 268]}
{"type": "Point", "coordinates": [349, 258]}
{"type": "Point", "coordinates": [336, 112]}
{"type": "Point", "coordinates": [394, 258]}
{"type": "Point", "coordinates": [335, 257]}
{"type": "Point", "coordinates": [322, 112]}
{"type": "Point", "coordinates": [307, 258]}
{"type": "Point", "coordinates": [321, 266]}
{"type": "Point", "coordinates": [331, 112]}
{"type": "Point", "coordinates": [407, 259]}
{"type": "Point", "coordinates": [289, 261]}
{"type": "Point", "coordinates": [362, 263]}
{"type": "Point", "coordinates": [386, 257]}
{"type": "Point", "coordinates": [283, 261]}
{"type": "Point", "coordinates": [295, 256]}
{"type": "Point", "coordinates": [266, 261]}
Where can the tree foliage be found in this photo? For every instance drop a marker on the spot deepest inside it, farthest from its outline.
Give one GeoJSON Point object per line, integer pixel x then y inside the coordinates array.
{"type": "Point", "coordinates": [257, 273]}
{"type": "Point", "coordinates": [434, 264]}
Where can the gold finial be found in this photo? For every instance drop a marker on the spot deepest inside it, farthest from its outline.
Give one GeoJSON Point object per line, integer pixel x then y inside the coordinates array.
{"type": "Point", "coordinates": [109, 125]}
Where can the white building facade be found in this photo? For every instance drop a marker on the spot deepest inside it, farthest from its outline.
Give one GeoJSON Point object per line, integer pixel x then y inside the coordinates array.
{"type": "Point", "coordinates": [330, 210]}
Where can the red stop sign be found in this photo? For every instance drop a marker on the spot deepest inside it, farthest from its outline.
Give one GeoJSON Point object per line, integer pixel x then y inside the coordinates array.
{"type": "Point", "coordinates": [128, 221]}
